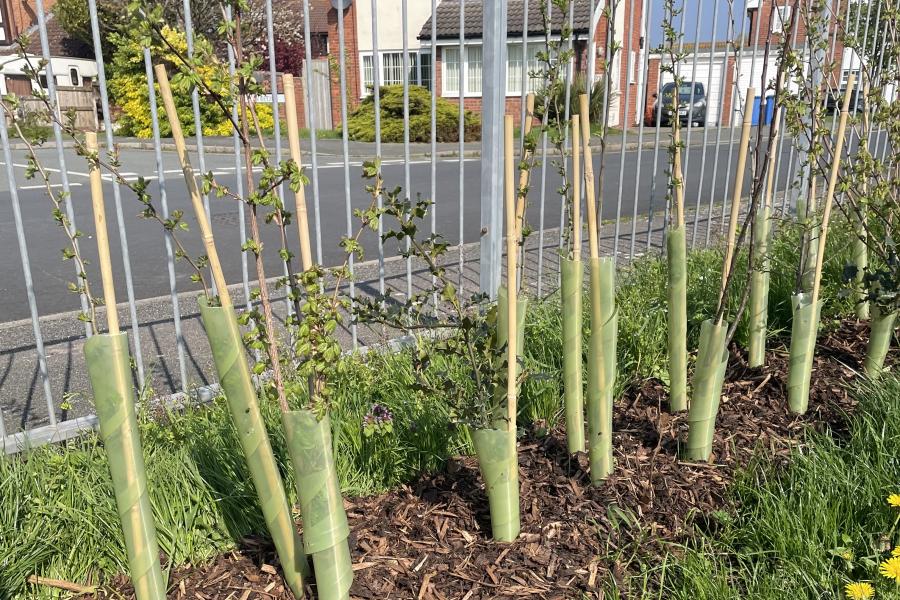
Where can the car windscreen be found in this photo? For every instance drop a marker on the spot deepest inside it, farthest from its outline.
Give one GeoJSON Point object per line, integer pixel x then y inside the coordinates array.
{"type": "Point", "coordinates": [684, 91]}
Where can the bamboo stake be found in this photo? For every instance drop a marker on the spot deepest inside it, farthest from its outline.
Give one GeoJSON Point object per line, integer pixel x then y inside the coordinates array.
{"type": "Point", "coordinates": [215, 266]}
{"type": "Point", "coordinates": [511, 293]}
{"type": "Point", "coordinates": [576, 188]}
{"type": "Point", "coordinates": [60, 583]}
{"type": "Point", "coordinates": [832, 183]}
{"type": "Point", "coordinates": [589, 193]}
{"type": "Point", "coordinates": [293, 131]}
{"type": "Point", "coordinates": [738, 190]}
{"type": "Point", "coordinates": [106, 275]}
{"type": "Point", "coordinates": [523, 170]}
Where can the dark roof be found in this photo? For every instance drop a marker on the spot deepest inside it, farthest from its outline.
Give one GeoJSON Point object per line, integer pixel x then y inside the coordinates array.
{"type": "Point", "coordinates": [60, 42]}
{"type": "Point", "coordinates": [318, 15]}
{"type": "Point", "coordinates": [447, 19]}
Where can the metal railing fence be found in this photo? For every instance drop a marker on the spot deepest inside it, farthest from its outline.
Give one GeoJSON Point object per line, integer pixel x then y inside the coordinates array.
{"type": "Point", "coordinates": [40, 352]}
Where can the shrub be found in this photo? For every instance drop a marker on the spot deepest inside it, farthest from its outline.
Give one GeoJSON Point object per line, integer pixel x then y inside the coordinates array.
{"type": "Point", "coordinates": [595, 104]}
{"type": "Point", "coordinates": [361, 124]}
{"type": "Point", "coordinates": [128, 87]}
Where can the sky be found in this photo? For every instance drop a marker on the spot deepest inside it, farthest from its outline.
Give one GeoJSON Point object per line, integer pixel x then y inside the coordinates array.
{"type": "Point", "coordinates": [707, 12]}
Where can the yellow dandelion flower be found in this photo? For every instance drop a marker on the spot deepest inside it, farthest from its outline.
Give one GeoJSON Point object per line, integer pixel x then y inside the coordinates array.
{"type": "Point", "coordinates": [891, 568]}
{"type": "Point", "coordinates": [895, 551]}
{"type": "Point", "coordinates": [894, 500]}
{"type": "Point", "coordinates": [859, 591]}
{"type": "Point", "coordinates": [847, 555]}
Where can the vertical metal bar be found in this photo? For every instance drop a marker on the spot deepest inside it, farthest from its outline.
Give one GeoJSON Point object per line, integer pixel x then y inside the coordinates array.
{"type": "Point", "coordinates": [311, 124]}
{"type": "Point", "coordinates": [433, 131]}
{"type": "Point", "coordinates": [164, 206]}
{"type": "Point", "coordinates": [376, 96]}
{"type": "Point", "coordinates": [570, 68]}
{"type": "Point", "coordinates": [57, 137]}
{"type": "Point", "coordinates": [276, 121]}
{"type": "Point", "coordinates": [709, 79]}
{"type": "Point", "coordinates": [238, 174]}
{"type": "Point", "coordinates": [526, 80]}
{"type": "Point", "coordinates": [737, 87]}
{"type": "Point", "coordinates": [26, 269]}
{"type": "Point", "coordinates": [646, 15]}
{"type": "Point", "coordinates": [462, 135]}
{"type": "Point", "coordinates": [195, 100]}
{"type": "Point", "coordinates": [690, 112]}
{"type": "Point", "coordinates": [403, 29]}
{"type": "Point", "coordinates": [342, 66]}
{"type": "Point", "coordinates": [623, 117]}
{"type": "Point", "coordinates": [543, 195]}
{"type": "Point", "coordinates": [493, 93]}
{"type": "Point", "coordinates": [729, 42]}
{"type": "Point", "coordinates": [117, 194]}
{"type": "Point", "coordinates": [782, 143]}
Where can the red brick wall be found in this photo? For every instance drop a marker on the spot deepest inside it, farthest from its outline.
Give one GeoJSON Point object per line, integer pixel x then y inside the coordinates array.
{"type": "Point", "coordinates": [22, 14]}
{"type": "Point", "coordinates": [351, 58]}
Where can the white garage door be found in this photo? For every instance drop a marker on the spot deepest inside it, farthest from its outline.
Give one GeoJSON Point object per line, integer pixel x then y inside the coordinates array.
{"type": "Point", "coordinates": [712, 85]}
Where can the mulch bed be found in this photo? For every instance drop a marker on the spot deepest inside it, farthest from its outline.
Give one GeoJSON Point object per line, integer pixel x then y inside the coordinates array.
{"type": "Point", "coordinates": [431, 539]}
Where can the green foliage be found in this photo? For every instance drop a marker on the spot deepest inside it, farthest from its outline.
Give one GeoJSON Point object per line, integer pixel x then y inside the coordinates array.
{"type": "Point", "coordinates": [361, 124]}
{"type": "Point", "coordinates": [555, 104]}
{"type": "Point", "coordinates": [128, 86]}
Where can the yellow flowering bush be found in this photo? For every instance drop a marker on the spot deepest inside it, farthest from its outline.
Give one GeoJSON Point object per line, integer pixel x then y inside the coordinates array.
{"type": "Point", "coordinates": [128, 88]}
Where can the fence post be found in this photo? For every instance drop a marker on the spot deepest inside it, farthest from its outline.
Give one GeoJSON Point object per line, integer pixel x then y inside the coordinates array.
{"type": "Point", "coordinates": [492, 109]}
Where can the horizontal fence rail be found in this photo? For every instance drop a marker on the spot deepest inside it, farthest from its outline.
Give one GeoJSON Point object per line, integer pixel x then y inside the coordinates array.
{"type": "Point", "coordinates": [353, 58]}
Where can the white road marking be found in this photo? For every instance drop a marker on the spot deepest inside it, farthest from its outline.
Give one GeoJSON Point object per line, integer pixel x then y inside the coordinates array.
{"type": "Point", "coordinates": [43, 187]}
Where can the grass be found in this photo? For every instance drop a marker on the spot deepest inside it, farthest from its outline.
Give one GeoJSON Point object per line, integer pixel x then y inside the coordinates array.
{"type": "Point", "coordinates": [57, 512]}
{"type": "Point", "coordinates": [809, 528]}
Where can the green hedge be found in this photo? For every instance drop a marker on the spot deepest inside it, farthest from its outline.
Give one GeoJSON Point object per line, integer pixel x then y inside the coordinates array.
{"type": "Point", "coordinates": [361, 124]}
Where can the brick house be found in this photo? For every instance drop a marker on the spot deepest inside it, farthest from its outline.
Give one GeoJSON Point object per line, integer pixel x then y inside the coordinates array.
{"type": "Point", "coordinates": [724, 72]}
{"type": "Point", "coordinates": [71, 61]}
{"type": "Point", "coordinates": [447, 51]}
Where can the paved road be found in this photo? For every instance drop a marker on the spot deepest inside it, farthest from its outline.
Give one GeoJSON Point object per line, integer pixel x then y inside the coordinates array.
{"type": "Point", "coordinates": [146, 245]}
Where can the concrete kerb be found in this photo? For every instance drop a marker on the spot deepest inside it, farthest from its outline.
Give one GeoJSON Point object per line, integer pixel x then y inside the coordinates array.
{"type": "Point", "coordinates": [415, 154]}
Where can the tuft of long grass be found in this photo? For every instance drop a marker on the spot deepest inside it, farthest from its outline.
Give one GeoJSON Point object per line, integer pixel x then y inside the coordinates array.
{"type": "Point", "coordinates": [788, 528]}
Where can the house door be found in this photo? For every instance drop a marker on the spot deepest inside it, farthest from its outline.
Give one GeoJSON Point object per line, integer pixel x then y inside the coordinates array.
{"type": "Point", "coordinates": [317, 80]}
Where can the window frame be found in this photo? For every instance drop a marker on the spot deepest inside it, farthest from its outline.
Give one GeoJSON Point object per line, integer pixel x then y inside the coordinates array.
{"type": "Point", "coordinates": [415, 63]}
{"type": "Point", "coordinates": [781, 19]}
{"type": "Point", "coordinates": [74, 69]}
{"type": "Point", "coordinates": [5, 32]}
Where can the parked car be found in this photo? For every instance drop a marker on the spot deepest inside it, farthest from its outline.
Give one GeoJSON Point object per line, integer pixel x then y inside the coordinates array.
{"type": "Point", "coordinates": [693, 114]}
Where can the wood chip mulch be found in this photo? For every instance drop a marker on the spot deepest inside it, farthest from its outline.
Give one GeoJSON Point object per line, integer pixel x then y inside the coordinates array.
{"type": "Point", "coordinates": [431, 539]}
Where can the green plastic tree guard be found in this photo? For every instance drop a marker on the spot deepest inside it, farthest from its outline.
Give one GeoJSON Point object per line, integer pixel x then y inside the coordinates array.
{"type": "Point", "coordinates": [601, 371]}
{"type": "Point", "coordinates": [804, 327]}
{"type": "Point", "coordinates": [758, 309]}
{"type": "Point", "coordinates": [676, 254]}
{"type": "Point", "coordinates": [325, 528]}
{"type": "Point", "coordinates": [499, 465]}
{"type": "Point", "coordinates": [109, 370]}
{"type": "Point", "coordinates": [573, 378]}
{"type": "Point", "coordinates": [709, 376]}
{"type": "Point", "coordinates": [881, 332]}
{"type": "Point", "coordinates": [234, 376]}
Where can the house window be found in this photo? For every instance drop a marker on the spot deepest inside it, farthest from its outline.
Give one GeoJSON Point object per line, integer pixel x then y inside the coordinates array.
{"type": "Point", "coordinates": [845, 77]}
{"type": "Point", "coordinates": [74, 77]}
{"type": "Point", "coordinates": [42, 78]}
{"type": "Point", "coordinates": [781, 19]}
{"type": "Point", "coordinates": [473, 69]}
{"type": "Point", "coordinates": [391, 70]}
{"type": "Point", "coordinates": [516, 71]}
{"type": "Point", "coordinates": [4, 38]}
{"type": "Point", "coordinates": [368, 74]}
{"type": "Point", "coordinates": [425, 70]}
{"type": "Point", "coordinates": [451, 70]}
